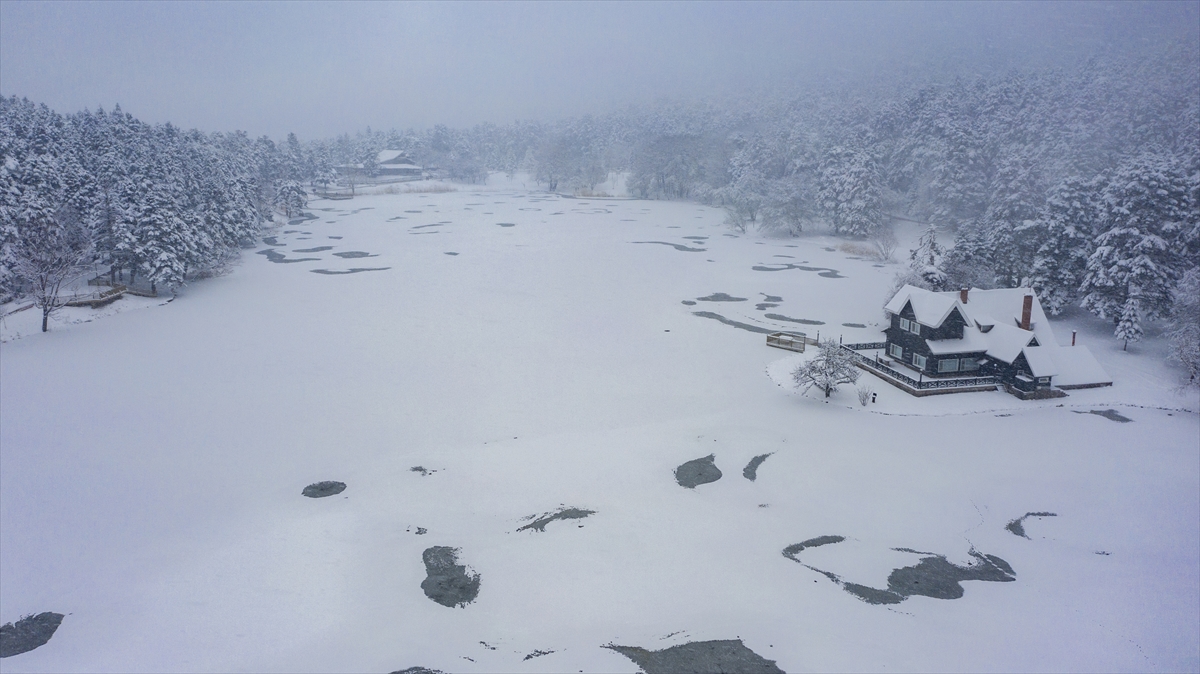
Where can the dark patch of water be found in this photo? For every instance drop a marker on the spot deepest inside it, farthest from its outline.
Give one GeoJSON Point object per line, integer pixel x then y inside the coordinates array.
{"type": "Point", "coordinates": [788, 256]}
{"type": "Point", "coordinates": [1017, 526]}
{"type": "Point", "coordinates": [398, 217]}
{"type": "Point", "coordinates": [934, 576]}
{"type": "Point", "coordinates": [750, 472]}
{"type": "Point", "coordinates": [763, 306]}
{"type": "Point", "coordinates": [735, 324]}
{"type": "Point", "coordinates": [436, 224]}
{"type": "Point", "coordinates": [721, 297]}
{"type": "Point", "coordinates": [689, 303]}
{"type": "Point", "coordinates": [781, 317]}
{"type": "Point", "coordinates": [323, 489]}
{"type": "Point", "coordinates": [676, 246]}
{"type": "Point", "coordinates": [771, 298]}
{"type": "Point", "coordinates": [290, 231]}
{"type": "Point", "coordinates": [536, 654]}
{"type": "Point", "coordinates": [540, 523]}
{"type": "Point", "coordinates": [507, 224]}
{"type": "Point", "coordinates": [412, 211]}
{"type": "Point", "coordinates": [340, 272]}
{"type": "Point", "coordinates": [784, 266]}
{"type": "Point", "coordinates": [279, 258]}
{"type": "Point", "coordinates": [353, 254]}
{"type": "Point", "coordinates": [335, 237]}
{"type": "Point", "coordinates": [699, 657]}
{"type": "Point", "coordinates": [854, 325]}
{"type": "Point", "coordinates": [449, 253]}
{"type": "Point", "coordinates": [446, 581]}
{"type": "Point", "coordinates": [28, 633]}
{"type": "Point", "coordinates": [831, 249]}
{"type": "Point", "coordinates": [529, 209]}
{"type": "Point", "coordinates": [317, 249]}
{"type": "Point", "coordinates": [1111, 415]}
{"type": "Point", "coordinates": [696, 238]}
{"type": "Point", "coordinates": [271, 241]}
{"type": "Point", "coordinates": [418, 670]}
{"type": "Point", "coordinates": [696, 472]}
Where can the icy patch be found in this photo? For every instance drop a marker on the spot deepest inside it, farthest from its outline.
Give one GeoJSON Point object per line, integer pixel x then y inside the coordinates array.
{"type": "Point", "coordinates": [317, 249]}
{"type": "Point", "coordinates": [781, 317]}
{"type": "Point", "coordinates": [28, 633]}
{"type": "Point", "coordinates": [699, 657]}
{"type": "Point", "coordinates": [355, 254]}
{"type": "Point", "coordinates": [447, 582]}
{"type": "Point", "coordinates": [279, 258]}
{"type": "Point", "coordinates": [1111, 415]}
{"type": "Point", "coordinates": [540, 523]}
{"type": "Point", "coordinates": [340, 272]}
{"type": "Point", "coordinates": [732, 323]}
{"type": "Point", "coordinates": [721, 297]}
{"type": "Point", "coordinates": [676, 246]}
{"type": "Point", "coordinates": [1017, 526]}
{"type": "Point", "coordinates": [323, 489]}
{"type": "Point", "coordinates": [697, 472]}
{"type": "Point", "coordinates": [750, 472]}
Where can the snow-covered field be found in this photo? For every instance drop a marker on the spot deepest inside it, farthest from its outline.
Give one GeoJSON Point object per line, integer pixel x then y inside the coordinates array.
{"type": "Point", "coordinates": [152, 462]}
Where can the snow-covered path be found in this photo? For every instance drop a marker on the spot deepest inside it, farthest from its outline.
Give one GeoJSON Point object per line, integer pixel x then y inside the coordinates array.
{"type": "Point", "coordinates": [151, 464]}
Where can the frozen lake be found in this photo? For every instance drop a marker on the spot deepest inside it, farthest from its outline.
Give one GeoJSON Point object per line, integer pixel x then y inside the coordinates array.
{"type": "Point", "coordinates": [554, 361]}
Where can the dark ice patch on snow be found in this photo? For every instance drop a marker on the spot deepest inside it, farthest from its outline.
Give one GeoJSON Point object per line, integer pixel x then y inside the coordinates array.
{"type": "Point", "coordinates": [412, 211]}
{"type": "Point", "coordinates": [697, 472]}
{"type": "Point", "coordinates": [788, 256]}
{"type": "Point", "coordinates": [689, 303]}
{"type": "Point", "coordinates": [696, 238]}
{"type": "Point", "coordinates": [323, 489]}
{"type": "Point", "coordinates": [763, 306]}
{"type": "Point", "coordinates": [353, 254]}
{"type": "Point", "coordinates": [934, 576]}
{"type": "Point", "coordinates": [507, 224]}
{"type": "Point", "coordinates": [335, 237]}
{"type": "Point", "coordinates": [750, 472]}
{"type": "Point", "coordinates": [771, 298]}
{"type": "Point", "coordinates": [425, 472]}
{"type": "Point", "coordinates": [721, 297]}
{"type": "Point", "coordinates": [449, 253]}
{"type": "Point", "coordinates": [446, 581]}
{"type": "Point", "coordinates": [854, 325]}
{"type": "Point", "coordinates": [317, 249]}
{"type": "Point", "coordinates": [1111, 415]}
{"type": "Point", "coordinates": [279, 258]}
{"type": "Point", "coordinates": [436, 224]}
{"type": "Point", "coordinates": [732, 323]}
{"type": "Point", "coordinates": [676, 246]}
{"type": "Point", "coordinates": [1017, 526]}
{"type": "Point", "coordinates": [540, 523]}
{"type": "Point", "coordinates": [824, 272]}
{"type": "Point", "coordinates": [781, 317]}
{"type": "Point", "coordinates": [418, 670]}
{"type": "Point", "coordinates": [28, 633]}
{"type": "Point", "coordinates": [536, 654]}
{"type": "Point", "coordinates": [342, 272]}
{"type": "Point", "coordinates": [271, 241]}
{"type": "Point", "coordinates": [699, 657]}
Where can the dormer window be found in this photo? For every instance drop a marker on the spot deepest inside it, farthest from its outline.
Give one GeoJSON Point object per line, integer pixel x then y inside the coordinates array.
{"type": "Point", "coordinates": [910, 326]}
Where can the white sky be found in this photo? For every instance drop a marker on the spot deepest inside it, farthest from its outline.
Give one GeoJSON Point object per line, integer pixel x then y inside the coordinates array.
{"type": "Point", "coordinates": [320, 69]}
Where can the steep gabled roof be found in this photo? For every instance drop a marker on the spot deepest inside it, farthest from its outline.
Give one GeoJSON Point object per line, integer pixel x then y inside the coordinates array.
{"type": "Point", "coordinates": [1005, 342]}
{"type": "Point", "coordinates": [1041, 360]}
{"type": "Point", "coordinates": [386, 156]}
{"type": "Point", "coordinates": [929, 308]}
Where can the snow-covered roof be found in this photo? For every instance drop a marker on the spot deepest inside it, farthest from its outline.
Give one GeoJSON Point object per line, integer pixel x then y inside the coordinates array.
{"type": "Point", "coordinates": [972, 341]}
{"type": "Point", "coordinates": [1077, 366]}
{"type": "Point", "coordinates": [392, 167]}
{"type": "Point", "coordinates": [1041, 360]}
{"type": "Point", "coordinates": [1002, 306]}
{"type": "Point", "coordinates": [929, 308]}
{"type": "Point", "coordinates": [385, 156]}
{"type": "Point", "coordinates": [1005, 342]}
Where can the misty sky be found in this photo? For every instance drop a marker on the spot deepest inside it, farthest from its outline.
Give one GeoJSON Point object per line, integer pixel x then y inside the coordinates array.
{"type": "Point", "coordinates": [320, 69]}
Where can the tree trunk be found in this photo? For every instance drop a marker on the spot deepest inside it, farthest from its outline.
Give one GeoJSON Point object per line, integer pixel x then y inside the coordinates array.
{"type": "Point", "coordinates": [827, 390]}
{"type": "Point", "coordinates": [45, 318]}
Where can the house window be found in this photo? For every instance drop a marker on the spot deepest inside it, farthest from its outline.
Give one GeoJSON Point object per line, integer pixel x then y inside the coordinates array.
{"type": "Point", "coordinates": [919, 361]}
{"type": "Point", "coordinates": [1043, 380]}
{"type": "Point", "coordinates": [895, 350]}
{"type": "Point", "coordinates": [968, 364]}
{"type": "Point", "coordinates": [905, 324]}
{"type": "Point", "coordinates": [948, 365]}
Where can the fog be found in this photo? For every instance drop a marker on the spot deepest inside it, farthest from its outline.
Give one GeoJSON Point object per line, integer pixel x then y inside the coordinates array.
{"type": "Point", "coordinates": [321, 69]}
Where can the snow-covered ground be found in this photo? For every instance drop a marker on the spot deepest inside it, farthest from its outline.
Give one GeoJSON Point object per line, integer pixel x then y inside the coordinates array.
{"type": "Point", "coordinates": [152, 462]}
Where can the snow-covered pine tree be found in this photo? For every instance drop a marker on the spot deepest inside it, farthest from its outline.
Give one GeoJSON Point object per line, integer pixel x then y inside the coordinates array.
{"type": "Point", "coordinates": [850, 193]}
{"type": "Point", "coordinates": [1185, 319]}
{"type": "Point", "coordinates": [1066, 229]}
{"type": "Point", "coordinates": [1134, 268]}
{"type": "Point", "coordinates": [926, 260]}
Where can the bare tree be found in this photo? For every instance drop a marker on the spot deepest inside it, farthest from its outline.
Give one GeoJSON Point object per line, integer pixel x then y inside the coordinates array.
{"type": "Point", "coordinates": [885, 244]}
{"type": "Point", "coordinates": [864, 395]}
{"type": "Point", "coordinates": [830, 368]}
{"type": "Point", "coordinates": [50, 254]}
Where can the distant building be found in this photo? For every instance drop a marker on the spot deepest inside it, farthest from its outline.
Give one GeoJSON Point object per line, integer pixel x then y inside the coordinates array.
{"type": "Point", "coordinates": [388, 164]}
{"type": "Point", "coordinates": [946, 339]}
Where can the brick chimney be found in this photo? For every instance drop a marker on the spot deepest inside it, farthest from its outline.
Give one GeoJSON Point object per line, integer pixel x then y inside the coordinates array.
{"type": "Point", "coordinates": [1026, 311]}
{"type": "Point", "coordinates": [962, 295]}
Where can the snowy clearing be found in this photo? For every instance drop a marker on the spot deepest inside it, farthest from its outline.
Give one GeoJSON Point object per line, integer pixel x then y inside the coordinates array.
{"type": "Point", "coordinates": [500, 354]}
